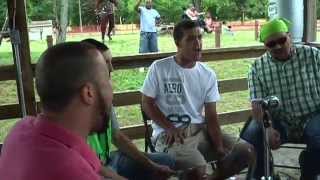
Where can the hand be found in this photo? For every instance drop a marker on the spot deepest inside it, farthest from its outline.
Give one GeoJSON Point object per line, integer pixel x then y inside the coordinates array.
{"type": "Point", "coordinates": [108, 173]}
{"type": "Point", "coordinates": [222, 152]}
{"type": "Point", "coordinates": [257, 111]}
{"type": "Point", "coordinates": [96, 12]}
{"type": "Point", "coordinates": [174, 135]}
{"type": "Point", "coordinates": [160, 172]}
{"type": "Point", "coordinates": [114, 178]}
{"type": "Point", "coordinates": [274, 138]}
{"type": "Point", "coordinates": [194, 174]}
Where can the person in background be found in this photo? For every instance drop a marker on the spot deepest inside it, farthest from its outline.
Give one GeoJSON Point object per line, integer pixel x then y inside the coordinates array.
{"type": "Point", "coordinates": [149, 18]}
{"type": "Point", "coordinates": [227, 29]}
{"type": "Point", "coordinates": [211, 22]}
{"type": "Point", "coordinates": [105, 11]}
{"type": "Point", "coordinates": [194, 15]}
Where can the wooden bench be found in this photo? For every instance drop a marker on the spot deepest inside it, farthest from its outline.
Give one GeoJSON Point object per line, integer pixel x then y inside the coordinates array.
{"type": "Point", "coordinates": [166, 29]}
{"type": "Point", "coordinates": [39, 30]}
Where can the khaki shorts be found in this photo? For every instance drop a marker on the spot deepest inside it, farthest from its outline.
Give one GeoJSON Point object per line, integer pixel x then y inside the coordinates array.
{"type": "Point", "coordinates": [197, 148]}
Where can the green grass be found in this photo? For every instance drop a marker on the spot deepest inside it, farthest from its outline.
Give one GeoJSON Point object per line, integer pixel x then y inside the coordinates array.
{"type": "Point", "coordinates": [132, 79]}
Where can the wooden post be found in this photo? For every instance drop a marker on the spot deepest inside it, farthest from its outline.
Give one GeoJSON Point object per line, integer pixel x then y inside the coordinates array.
{"type": "Point", "coordinates": [256, 29]}
{"type": "Point", "coordinates": [17, 8]}
{"type": "Point", "coordinates": [80, 16]}
{"type": "Point", "coordinates": [49, 41]}
{"type": "Point", "coordinates": [310, 21]}
{"type": "Point", "coordinates": [218, 35]}
{"type": "Point", "coordinates": [131, 27]}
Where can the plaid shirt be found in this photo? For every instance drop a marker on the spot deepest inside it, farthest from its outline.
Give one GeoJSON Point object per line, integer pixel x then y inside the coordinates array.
{"type": "Point", "coordinates": [296, 82]}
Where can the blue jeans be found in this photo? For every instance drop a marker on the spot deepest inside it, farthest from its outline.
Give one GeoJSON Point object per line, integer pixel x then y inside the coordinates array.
{"type": "Point", "coordinates": [148, 42]}
{"type": "Point", "coordinates": [252, 133]}
{"type": "Point", "coordinates": [129, 168]}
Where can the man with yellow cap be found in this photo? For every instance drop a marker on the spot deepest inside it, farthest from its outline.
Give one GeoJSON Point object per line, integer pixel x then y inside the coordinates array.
{"type": "Point", "coordinates": [292, 73]}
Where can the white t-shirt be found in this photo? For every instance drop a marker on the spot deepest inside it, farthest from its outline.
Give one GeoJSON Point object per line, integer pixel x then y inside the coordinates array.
{"type": "Point", "coordinates": [180, 93]}
{"type": "Point", "coordinates": [148, 19]}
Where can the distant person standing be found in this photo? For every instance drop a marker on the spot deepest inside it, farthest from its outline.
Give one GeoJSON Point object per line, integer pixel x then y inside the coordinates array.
{"type": "Point", "coordinates": [193, 15]}
{"type": "Point", "coordinates": [105, 10]}
{"type": "Point", "coordinates": [149, 17]}
{"type": "Point", "coordinates": [211, 22]}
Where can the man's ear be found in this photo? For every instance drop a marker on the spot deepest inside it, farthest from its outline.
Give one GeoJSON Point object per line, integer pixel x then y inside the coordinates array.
{"type": "Point", "coordinates": [87, 93]}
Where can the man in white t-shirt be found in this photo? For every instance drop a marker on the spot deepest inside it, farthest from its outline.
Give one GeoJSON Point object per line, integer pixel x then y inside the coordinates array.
{"type": "Point", "coordinates": [149, 18]}
{"type": "Point", "coordinates": [175, 92]}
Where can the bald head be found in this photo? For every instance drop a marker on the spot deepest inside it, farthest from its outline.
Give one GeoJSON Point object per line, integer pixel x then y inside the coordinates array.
{"type": "Point", "coordinates": [148, 4]}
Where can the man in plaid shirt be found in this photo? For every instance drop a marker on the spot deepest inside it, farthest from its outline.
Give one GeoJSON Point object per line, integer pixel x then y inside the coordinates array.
{"type": "Point", "coordinates": [292, 73]}
{"type": "Point", "coordinates": [105, 14]}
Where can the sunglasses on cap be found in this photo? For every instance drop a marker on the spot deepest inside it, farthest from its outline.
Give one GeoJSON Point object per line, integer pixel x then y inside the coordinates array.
{"type": "Point", "coordinates": [280, 41]}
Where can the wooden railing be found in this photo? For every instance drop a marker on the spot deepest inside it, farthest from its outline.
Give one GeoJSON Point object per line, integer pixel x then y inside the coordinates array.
{"type": "Point", "coordinates": [10, 111]}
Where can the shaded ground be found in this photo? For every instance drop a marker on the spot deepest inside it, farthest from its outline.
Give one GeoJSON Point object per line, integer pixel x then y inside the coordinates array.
{"type": "Point", "coordinates": [283, 156]}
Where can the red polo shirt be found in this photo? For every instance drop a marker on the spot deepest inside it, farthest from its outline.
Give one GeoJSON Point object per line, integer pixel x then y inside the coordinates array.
{"type": "Point", "coordinates": [37, 149]}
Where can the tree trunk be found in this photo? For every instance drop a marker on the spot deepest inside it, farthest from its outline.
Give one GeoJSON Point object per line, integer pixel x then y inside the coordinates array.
{"type": "Point", "coordinates": [197, 4]}
{"type": "Point", "coordinates": [242, 17]}
{"type": "Point", "coordinates": [62, 19]}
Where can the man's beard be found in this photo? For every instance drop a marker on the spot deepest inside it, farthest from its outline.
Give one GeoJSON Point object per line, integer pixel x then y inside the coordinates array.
{"type": "Point", "coordinates": [104, 111]}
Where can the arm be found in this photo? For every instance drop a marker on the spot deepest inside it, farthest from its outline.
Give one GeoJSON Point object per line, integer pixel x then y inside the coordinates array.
{"type": "Point", "coordinates": [125, 145]}
{"type": "Point", "coordinates": [136, 7]}
{"type": "Point", "coordinates": [158, 19]}
{"type": "Point", "coordinates": [151, 109]}
{"type": "Point", "coordinates": [213, 126]}
{"type": "Point", "coordinates": [173, 134]}
{"type": "Point", "coordinates": [108, 173]}
{"type": "Point", "coordinates": [256, 93]}
{"type": "Point", "coordinates": [189, 13]}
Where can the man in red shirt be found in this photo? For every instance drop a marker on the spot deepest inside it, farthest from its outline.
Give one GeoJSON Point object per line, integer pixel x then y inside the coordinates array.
{"type": "Point", "coordinates": [72, 80]}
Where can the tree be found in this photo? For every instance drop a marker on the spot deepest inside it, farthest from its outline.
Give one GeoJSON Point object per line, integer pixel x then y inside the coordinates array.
{"type": "Point", "coordinates": [3, 10]}
{"type": "Point", "coordinates": [258, 10]}
{"type": "Point", "coordinates": [61, 19]}
{"type": "Point", "coordinates": [171, 11]}
{"type": "Point", "coordinates": [40, 10]}
{"type": "Point", "coordinates": [243, 6]}
{"type": "Point", "coordinates": [197, 4]}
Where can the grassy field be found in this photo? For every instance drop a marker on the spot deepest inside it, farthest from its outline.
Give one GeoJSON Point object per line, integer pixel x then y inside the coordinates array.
{"type": "Point", "coordinates": [123, 80]}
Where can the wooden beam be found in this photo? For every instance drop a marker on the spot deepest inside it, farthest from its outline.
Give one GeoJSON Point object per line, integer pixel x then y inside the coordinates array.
{"type": "Point", "coordinates": [130, 97]}
{"type": "Point", "coordinates": [127, 98]}
{"type": "Point", "coordinates": [231, 85]}
{"type": "Point", "coordinates": [18, 23]}
{"type": "Point", "coordinates": [234, 116]}
{"type": "Point", "coordinates": [7, 73]}
{"type": "Point", "coordinates": [310, 21]}
{"type": "Point", "coordinates": [129, 62]}
{"type": "Point", "coordinates": [134, 97]}
{"type": "Point", "coordinates": [10, 111]}
{"type": "Point", "coordinates": [137, 131]}
{"type": "Point", "coordinates": [145, 60]}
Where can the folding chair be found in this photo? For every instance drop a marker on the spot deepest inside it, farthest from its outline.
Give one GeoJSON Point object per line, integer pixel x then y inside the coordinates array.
{"type": "Point", "coordinates": [148, 132]}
